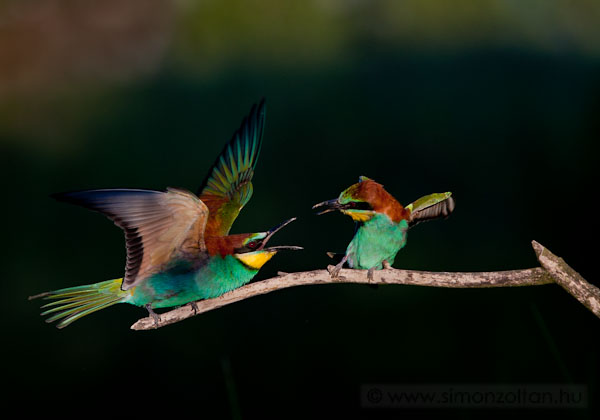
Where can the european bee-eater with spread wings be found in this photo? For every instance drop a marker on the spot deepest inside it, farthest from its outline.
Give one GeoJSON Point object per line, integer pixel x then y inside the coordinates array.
{"type": "Point", "coordinates": [178, 245]}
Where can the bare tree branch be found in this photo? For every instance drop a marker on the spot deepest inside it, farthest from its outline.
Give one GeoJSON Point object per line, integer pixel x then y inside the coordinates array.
{"type": "Point", "coordinates": [568, 279]}
{"type": "Point", "coordinates": [553, 270]}
{"type": "Point", "coordinates": [527, 277]}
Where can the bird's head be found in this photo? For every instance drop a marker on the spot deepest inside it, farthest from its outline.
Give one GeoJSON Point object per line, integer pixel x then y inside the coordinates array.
{"type": "Point", "coordinates": [252, 250]}
{"type": "Point", "coordinates": [362, 201]}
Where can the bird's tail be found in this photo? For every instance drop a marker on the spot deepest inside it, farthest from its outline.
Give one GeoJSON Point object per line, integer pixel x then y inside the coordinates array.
{"type": "Point", "coordinates": [72, 303]}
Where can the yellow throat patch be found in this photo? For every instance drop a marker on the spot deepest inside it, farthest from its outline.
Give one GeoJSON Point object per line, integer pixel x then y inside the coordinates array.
{"type": "Point", "coordinates": [255, 260]}
{"type": "Point", "coordinates": [359, 216]}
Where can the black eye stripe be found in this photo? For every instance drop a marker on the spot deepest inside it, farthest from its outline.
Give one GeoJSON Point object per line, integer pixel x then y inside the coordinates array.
{"type": "Point", "coordinates": [250, 246]}
{"type": "Point", "coordinates": [359, 205]}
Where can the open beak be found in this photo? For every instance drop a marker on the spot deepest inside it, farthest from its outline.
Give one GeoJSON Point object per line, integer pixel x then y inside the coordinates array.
{"type": "Point", "coordinates": [272, 231]}
{"type": "Point", "coordinates": [285, 248]}
{"type": "Point", "coordinates": [330, 205]}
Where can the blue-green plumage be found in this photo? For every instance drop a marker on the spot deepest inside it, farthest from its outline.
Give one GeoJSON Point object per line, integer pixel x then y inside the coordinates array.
{"type": "Point", "coordinates": [382, 221]}
{"type": "Point", "coordinates": [178, 245]}
{"type": "Point", "coordinates": [182, 281]}
{"type": "Point", "coordinates": [376, 240]}
{"type": "Point", "coordinates": [179, 285]}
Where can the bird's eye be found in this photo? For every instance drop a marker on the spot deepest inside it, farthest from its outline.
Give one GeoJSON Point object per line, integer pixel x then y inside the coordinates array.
{"type": "Point", "coordinates": [353, 204]}
{"type": "Point", "coordinates": [251, 244]}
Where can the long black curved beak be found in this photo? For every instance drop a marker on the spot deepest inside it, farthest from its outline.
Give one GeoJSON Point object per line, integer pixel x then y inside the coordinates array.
{"type": "Point", "coordinates": [272, 231]}
{"type": "Point", "coordinates": [285, 248]}
{"type": "Point", "coordinates": [330, 205]}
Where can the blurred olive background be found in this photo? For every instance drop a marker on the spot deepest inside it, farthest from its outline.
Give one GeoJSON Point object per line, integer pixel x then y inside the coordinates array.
{"type": "Point", "coordinates": [497, 101]}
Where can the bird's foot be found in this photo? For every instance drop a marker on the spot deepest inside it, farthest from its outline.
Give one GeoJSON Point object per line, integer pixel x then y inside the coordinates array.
{"type": "Point", "coordinates": [386, 265]}
{"type": "Point", "coordinates": [154, 315]}
{"type": "Point", "coordinates": [335, 271]}
{"type": "Point", "coordinates": [194, 306]}
{"type": "Point", "coordinates": [370, 274]}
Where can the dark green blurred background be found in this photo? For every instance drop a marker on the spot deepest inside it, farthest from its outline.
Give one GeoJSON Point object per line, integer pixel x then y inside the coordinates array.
{"type": "Point", "coordinates": [497, 101]}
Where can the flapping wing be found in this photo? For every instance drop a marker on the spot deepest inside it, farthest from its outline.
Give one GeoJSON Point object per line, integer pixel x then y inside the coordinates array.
{"type": "Point", "coordinates": [432, 206]}
{"type": "Point", "coordinates": [158, 225]}
{"type": "Point", "coordinates": [228, 186]}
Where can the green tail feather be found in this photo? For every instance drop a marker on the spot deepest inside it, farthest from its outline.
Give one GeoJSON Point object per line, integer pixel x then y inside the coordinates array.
{"type": "Point", "coordinates": [72, 303]}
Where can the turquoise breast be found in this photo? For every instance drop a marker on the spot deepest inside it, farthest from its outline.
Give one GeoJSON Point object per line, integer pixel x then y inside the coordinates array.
{"type": "Point", "coordinates": [179, 286]}
{"type": "Point", "coordinates": [376, 240]}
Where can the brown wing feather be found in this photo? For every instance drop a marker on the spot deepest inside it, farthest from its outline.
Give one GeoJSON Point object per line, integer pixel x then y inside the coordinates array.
{"type": "Point", "coordinates": [158, 225]}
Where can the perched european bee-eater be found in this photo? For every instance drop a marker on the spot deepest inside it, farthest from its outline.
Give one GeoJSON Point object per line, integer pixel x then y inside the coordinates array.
{"type": "Point", "coordinates": [178, 247]}
{"type": "Point", "coordinates": [381, 222]}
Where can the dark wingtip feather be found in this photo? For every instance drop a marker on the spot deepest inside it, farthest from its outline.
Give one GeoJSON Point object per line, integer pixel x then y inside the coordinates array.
{"type": "Point", "coordinates": [441, 210]}
{"type": "Point", "coordinates": [80, 198]}
{"type": "Point", "coordinates": [92, 198]}
{"type": "Point", "coordinates": [62, 196]}
{"type": "Point", "coordinates": [451, 204]}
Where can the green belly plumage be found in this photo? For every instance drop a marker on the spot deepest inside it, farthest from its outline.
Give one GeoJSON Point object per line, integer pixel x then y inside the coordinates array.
{"type": "Point", "coordinates": [178, 287]}
{"type": "Point", "coordinates": [376, 240]}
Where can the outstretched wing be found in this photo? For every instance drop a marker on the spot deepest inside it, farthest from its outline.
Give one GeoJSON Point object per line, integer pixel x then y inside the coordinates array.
{"type": "Point", "coordinates": [158, 225]}
{"type": "Point", "coordinates": [228, 187]}
{"type": "Point", "coordinates": [432, 206]}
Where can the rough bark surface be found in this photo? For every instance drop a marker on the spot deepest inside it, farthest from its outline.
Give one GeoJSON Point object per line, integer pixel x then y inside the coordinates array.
{"type": "Point", "coordinates": [568, 279]}
{"type": "Point", "coordinates": [553, 270]}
